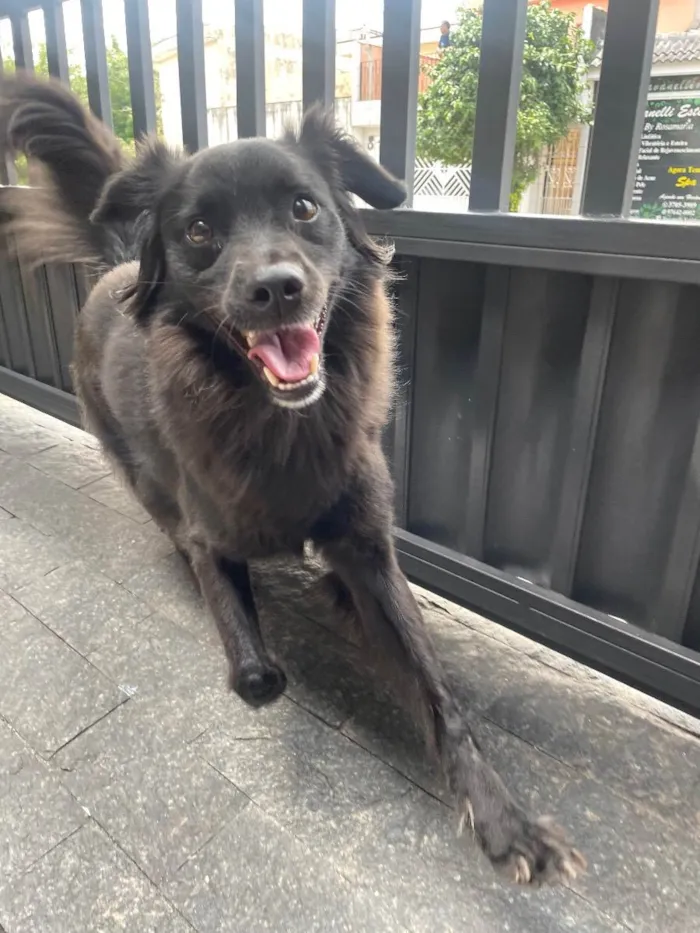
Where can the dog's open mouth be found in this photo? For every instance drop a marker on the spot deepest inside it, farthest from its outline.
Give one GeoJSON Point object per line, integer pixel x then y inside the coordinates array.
{"type": "Point", "coordinates": [289, 359]}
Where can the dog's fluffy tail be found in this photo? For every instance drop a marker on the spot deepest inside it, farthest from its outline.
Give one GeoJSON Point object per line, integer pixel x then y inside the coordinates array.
{"type": "Point", "coordinates": [71, 155]}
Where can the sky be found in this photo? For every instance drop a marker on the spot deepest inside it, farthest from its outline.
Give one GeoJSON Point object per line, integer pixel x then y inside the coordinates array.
{"type": "Point", "coordinates": [284, 14]}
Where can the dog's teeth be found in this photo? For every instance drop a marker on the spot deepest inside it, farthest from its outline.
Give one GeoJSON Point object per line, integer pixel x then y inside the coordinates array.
{"type": "Point", "coordinates": [271, 378]}
{"type": "Point", "coordinates": [313, 366]}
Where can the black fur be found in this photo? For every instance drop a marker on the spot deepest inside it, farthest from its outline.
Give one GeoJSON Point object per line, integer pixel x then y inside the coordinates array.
{"type": "Point", "coordinates": [165, 383]}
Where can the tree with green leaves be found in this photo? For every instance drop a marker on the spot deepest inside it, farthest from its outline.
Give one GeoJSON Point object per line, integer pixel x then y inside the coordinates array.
{"type": "Point", "coordinates": [552, 94]}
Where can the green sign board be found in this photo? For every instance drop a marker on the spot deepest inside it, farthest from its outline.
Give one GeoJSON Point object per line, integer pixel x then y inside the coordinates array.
{"type": "Point", "coordinates": [667, 185]}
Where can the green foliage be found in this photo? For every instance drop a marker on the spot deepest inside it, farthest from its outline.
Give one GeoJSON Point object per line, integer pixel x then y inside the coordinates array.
{"type": "Point", "coordinates": [556, 60]}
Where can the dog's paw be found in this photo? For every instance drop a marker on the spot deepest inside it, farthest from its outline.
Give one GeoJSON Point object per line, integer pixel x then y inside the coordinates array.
{"type": "Point", "coordinates": [537, 853]}
{"type": "Point", "coordinates": [259, 685]}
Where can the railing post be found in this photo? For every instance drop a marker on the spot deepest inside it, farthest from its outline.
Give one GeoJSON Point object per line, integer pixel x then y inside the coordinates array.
{"type": "Point", "coordinates": [500, 72]}
{"type": "Point", "coordinates": [138, 43]}
{"type": "Point", "coordinates": [318, 52]}
{"type": "Point", "coordinates": [96, 60]}
{"type": "Point", "coordinates": [619, 113]}
{"type": "Point", "coordinates": [190, 57]}
{"type": "Point", "coordinates": [22, 40]}
{"type": "Point", "coordinates": [250, 68]}
{"type": "Point", "coordinates": [397, 132]}
{"type": "Point", "coordinates": [56, 50]}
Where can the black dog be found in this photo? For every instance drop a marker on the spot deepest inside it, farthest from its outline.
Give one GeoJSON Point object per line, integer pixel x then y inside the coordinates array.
{"type": "Point", "coordinates": [235, 361]}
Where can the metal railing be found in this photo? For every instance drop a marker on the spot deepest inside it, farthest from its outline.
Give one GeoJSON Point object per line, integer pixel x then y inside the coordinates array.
{"type": "Point", "coordinates": [546, 446]}
{"type": "Point", "coordinates": [397, 80]}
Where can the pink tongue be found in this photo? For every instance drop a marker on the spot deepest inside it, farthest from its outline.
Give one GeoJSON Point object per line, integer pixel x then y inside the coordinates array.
{"type": "Point", "coordinates": [287, 353]}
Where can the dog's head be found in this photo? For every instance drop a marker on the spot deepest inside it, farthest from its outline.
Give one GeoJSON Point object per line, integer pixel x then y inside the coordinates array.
{"type": "Point", "coordinates": [253, 241]}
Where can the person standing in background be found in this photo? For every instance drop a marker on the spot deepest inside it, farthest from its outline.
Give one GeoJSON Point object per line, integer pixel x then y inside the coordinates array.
{"type": "Point", "coordinates": [444, 36]}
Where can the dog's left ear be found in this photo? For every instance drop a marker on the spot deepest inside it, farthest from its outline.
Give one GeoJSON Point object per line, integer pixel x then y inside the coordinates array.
{"type": "Point", "coordinates": [340, 157]}
{"type": "Point", "coordinates": [134, 196]}
{"type": "Point", "coordinates": [139, 186]}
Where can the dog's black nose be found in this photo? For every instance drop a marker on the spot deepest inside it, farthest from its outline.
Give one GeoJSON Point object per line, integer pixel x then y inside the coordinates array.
{"type": "Point", "coordinates": [281, 285]}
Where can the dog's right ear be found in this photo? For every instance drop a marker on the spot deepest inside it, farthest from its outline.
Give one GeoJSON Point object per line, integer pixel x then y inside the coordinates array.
{"type": "Point", "coordinates": [140, 185]}
{"type": "Point", "coordinates": [341, 157]}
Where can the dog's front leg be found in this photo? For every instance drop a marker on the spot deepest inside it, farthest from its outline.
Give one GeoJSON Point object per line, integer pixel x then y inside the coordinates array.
{"type": "Point", "coordinates": [363, 555]}
{"type": "Point", "coordinates": [226, 588]}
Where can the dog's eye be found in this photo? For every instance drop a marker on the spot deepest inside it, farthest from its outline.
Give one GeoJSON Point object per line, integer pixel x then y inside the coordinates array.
{"type": "Point", "coordinates": [304, 209]}
{"type": "Point", "coordinates": [199, 233]}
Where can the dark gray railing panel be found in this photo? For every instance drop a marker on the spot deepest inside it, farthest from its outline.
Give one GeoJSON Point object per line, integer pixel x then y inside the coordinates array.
{"type": "Point", "coordinates": [64, 308]}
{"type": "Point", "coordinates": [318, 52]}
{"type": "Point", "coordinates": [96, 59]}
{"type": "Point", "coordinates": [190, 56]}
{"type": "Point", "coordinates": [56, 49]}
{"type": "Point", "coordinates": [584, 424]}
{"type": "Point", "coordinates": [619, 113]}
{"type": "Point", "coordinates": [670, 614]}
{"type": "Point", "coordinates": [250, 68]}
{"type": "Point", "coordinates": [138, 43]}
{"type": "Point", "coordinates": [40, 325]}
{"type": "Point", "coordinates": [400, 55]}
{"type": "Point", "coordinates": [643, 446]}
{"type": "Point", "coordinates": [55, 402]}
{"type": "Point", "coordinates": [12, 299]}
{"type": "Point", "coordinates": [4, 340]}
{"type": "Point", "coordinates": [542, 339]}
{"type": "Point", "coordinates": [448, 329]}
{"type": "Point", "coordinates": [641, 658]}
{"type": "Point", "coordinates": [500, 72]}
{"type": "Point", "coordinates": [485, 406]}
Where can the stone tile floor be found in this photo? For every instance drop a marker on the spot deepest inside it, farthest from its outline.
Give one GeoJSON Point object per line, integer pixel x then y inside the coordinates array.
{"type": "Point", "coordinates": [138, 794]}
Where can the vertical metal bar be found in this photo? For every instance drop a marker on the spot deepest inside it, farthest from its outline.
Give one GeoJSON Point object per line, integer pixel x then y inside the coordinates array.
{"type": "Point", "coordinates": [83, 284]}
{"type": "Point", "coordinates": [22, 40]}
{"type": "Point", "coordinates": [318, 52]}
{"type": "Point", "coordinates": [8, 172]}
{"type": "Point", "coordinates": [10, 303]}
{"type": "Point", "coordinates": [63, 308]}
{"type": "Point", "coordinates": [498, 94]}
{"type": "Point", "coordinates": [138, 44]}
{"type": "Point", "coordinates": [399, 107]}
{"type": "Point", "coordinates": [13, 302]}
{"type": "Point", "coordinates": [24, 58]}
{"type": "Point", "coordinates": [584, 424]}
{"type": "Point", "coordinates": [96, 60]}
{"type": "Point", "coordinates": [619, 113]}
{"type": "Point", "coordinates": [5, 359]}
{"type": "Point", "coordinates": [190, 56]}
{"type": "Point", "coordinates": [36, 311]}
{"type": "Point", "coordinates": [250, 68]}
{"type": "Point", "coordinates": [56, 49]}
{"type": "Point", "coordinates": [670, 613]}
{"type": "Point", "coordinates": [407, 321]}
{"type": "Point", "coordinates": [487, 382]}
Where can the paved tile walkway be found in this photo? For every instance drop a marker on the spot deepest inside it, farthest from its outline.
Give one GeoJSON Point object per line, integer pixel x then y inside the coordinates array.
{"type": "Point", "coordinates": [137, 794]}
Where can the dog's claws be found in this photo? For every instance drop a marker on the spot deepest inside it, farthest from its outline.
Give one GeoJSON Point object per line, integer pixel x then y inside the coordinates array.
{"type": "Point", "coordinates": [523, 875]}
{"type": "Point", "coordinates": [466, 817]}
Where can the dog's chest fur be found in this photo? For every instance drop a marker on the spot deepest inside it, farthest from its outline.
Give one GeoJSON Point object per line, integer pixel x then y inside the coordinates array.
{"type": "Point", "coordinates": [258, 477]}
